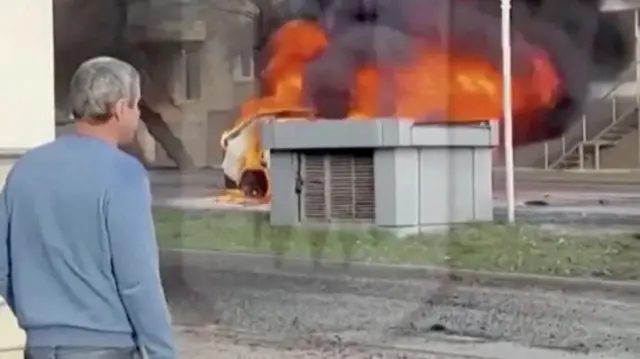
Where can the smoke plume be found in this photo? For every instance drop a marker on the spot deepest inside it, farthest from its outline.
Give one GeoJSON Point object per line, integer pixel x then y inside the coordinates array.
{"type": "Point", "coordinates": [581, 43]}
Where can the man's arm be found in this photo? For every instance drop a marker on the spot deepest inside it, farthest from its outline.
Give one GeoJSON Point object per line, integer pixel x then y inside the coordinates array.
{"type": "Point", "coordinates": [135, 262]}
{"type": "Point", "coordinates": [4, 249]}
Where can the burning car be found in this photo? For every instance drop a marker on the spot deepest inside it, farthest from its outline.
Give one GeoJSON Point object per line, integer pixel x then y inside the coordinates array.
{"type": "Point", "coordinates": [426, 60]}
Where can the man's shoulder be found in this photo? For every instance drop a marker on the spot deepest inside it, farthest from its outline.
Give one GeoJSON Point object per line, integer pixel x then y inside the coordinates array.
{"type": "Point", "coordinates": [128, 170]}
{"type": "Point", "coordinates": [46, 150]}
{"type": "Point", "coordinates": [111, 162]}
{"type": "Point", "coordinates": [129, 179]}
{"type": "Point", "coordinates": [127, 165]}
{"type": "Point", "coordinates": [34, 154]}
{"type": "Point", "coordinates": [33, 164]}
{"type": "Point", "coordinates": [40, 149]}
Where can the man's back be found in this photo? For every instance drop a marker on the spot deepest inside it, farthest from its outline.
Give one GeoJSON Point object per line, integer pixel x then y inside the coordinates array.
{"type": "Point", "coordinates": [74, 207]}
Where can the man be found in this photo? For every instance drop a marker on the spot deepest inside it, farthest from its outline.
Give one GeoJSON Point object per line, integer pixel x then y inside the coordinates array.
{"type": "Point", "coordinates": [78, 257]}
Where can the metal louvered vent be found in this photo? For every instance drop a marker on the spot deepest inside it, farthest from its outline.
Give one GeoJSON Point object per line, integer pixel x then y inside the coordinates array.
{"type": "Point", "coordinates": [338, 187]}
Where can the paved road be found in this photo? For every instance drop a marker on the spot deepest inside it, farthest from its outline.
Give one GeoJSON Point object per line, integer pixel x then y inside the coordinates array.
{"type": "Point", "coordinates": [311, 315]}
{"type": "Point", "coordinates": [168, 183]}
{"type": "Point", "coordinates": [580, 203]}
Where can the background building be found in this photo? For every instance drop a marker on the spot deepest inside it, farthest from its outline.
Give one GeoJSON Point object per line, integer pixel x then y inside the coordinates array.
{"type": "Point", "coordinates": [607, 137]}
{"type": "Point", "coordinates": [199, 57]}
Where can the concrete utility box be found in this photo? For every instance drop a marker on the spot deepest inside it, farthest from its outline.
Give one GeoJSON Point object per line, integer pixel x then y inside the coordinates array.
{"type": "Point", "coordinates": [389, 173]}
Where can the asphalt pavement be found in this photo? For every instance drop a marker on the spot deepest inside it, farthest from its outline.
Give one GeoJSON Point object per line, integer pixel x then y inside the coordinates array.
{"type": "Point", "coordinates": [559, 203]}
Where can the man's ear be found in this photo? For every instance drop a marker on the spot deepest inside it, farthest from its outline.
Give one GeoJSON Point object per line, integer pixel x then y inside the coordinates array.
{"type": "Point", "coordinates": [118, 109]}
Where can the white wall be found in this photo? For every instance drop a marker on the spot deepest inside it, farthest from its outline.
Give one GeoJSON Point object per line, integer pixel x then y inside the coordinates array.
{"type": "Point", "coordinates": [26, 74]}
{"type": "Point", "coordinates": [618, 5]}
{"type": "Point", "coordinates": [26, 106]}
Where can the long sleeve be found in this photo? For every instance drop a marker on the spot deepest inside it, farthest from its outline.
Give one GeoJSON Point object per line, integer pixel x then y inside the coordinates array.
{"type": "Point", "coordinates": [135, 263]}
{"type": "Point", "coordinates": [5, 267]}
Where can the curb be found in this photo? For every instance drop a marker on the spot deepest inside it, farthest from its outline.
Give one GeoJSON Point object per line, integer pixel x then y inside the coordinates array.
{"type": "Point", "coordinates": [296, 266]}
{"type": "Point", "coordinates": [600, 178]}
{"type": "Point", "coordinates": [569, 216]}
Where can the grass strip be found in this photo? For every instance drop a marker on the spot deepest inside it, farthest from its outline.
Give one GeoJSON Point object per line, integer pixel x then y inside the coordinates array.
{"type": "Point", "coordinates": [493, 247]}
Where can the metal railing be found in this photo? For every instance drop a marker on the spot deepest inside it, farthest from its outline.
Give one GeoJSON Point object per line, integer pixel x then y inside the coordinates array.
{"type": "Point", "coordinates": [569, 145]}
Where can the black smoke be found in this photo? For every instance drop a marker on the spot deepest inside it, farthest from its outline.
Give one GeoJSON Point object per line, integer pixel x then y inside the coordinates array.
{"type": "Point", "coordinates": [582, 43]}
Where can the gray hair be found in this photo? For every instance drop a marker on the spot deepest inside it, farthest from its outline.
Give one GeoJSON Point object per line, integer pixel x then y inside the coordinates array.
{"type": "Point", "coordinates": [100, 83]}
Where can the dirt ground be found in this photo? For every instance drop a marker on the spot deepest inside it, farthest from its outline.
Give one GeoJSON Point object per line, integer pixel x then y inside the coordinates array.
{"type": "Point", "coordinates": [206, 343]}
{"type": "Point", "coordinates": [298, 308]}
{"type": "Point", "coordinates": [201, 343]}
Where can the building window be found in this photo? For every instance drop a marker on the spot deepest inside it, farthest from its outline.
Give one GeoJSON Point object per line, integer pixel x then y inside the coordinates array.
{"type": "Point", "coordinates": [186, 84]}
{"type": "Point", "coordinates": [243, 67]}
{"type": "Point", "coordinates": [193, 86]}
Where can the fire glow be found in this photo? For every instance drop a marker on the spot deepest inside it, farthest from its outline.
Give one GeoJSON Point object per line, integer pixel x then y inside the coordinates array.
{"type": "Point", "coordinates": [434, 84]}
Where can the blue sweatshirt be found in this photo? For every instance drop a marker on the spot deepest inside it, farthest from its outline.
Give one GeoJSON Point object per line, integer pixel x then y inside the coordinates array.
{"type": "Point", "coordinates": [78, 256]}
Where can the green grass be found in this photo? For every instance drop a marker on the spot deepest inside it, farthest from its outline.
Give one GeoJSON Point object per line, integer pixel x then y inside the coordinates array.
{"type": "Point", "coordinates": [492, 247]}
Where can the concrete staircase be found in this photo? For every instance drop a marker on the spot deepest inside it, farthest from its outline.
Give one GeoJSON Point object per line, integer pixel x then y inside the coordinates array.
{"type": "Point", "coordinates": [611, 117]}
{"type": "Point", "coordinates": [607, 122]}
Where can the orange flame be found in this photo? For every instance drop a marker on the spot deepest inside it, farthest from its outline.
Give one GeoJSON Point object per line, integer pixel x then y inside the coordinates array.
{"type": "Point", "coordinates": [459, 88]}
